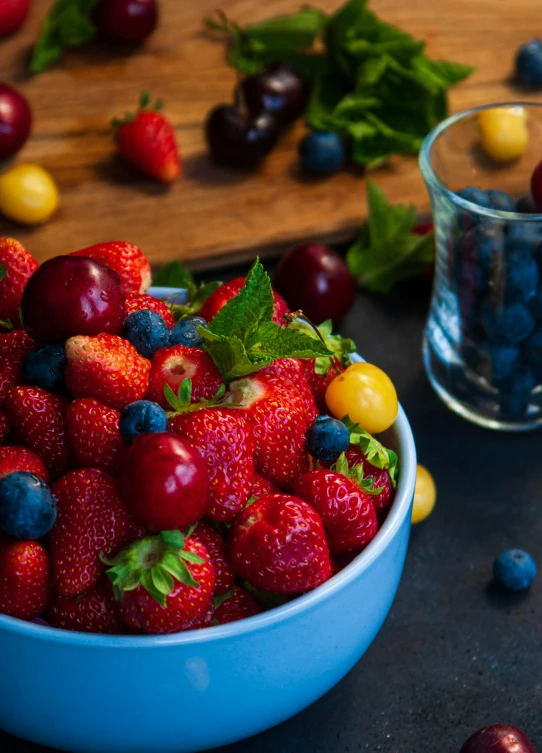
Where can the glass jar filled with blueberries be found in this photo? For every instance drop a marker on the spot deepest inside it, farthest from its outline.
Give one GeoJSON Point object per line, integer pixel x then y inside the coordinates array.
{"type": "Point", "coordinates": [483, 338]}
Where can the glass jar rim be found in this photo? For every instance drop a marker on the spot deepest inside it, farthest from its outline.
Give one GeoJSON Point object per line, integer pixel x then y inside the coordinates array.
{"type": "Point", "coordinates": [434, 182]}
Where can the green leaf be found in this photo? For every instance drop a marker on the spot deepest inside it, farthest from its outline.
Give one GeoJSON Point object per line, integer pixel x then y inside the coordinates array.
{"type": "Point", "coordinates": [266, 599]}
{"type": "Point", "coordinates": [440, 74]}
{"type": "Point", "coordinates": [6, 324]}
{"type": "Point", "coordinates": [285, 342]}
{"type": "Point", "coordinates": [218, 600]}
{"type": "Point", "coordinates": [161, 580]}
{"type": "Point", "coordinates": [374, 451]}
{"type": "Point", "coordinates": [386, 251]}
{"type": "Point", "coordinates": [253, 305]}
{"type": "Point", "coordinates": [173, 275]}
{"type": "Point", "coordinates": [191, 557]}
{"type": "Point", "coordinates": [3, 270]}
{"type": "Point", "coordinates": [296, 32]}
{"type": "Point", "coordinates": [67, 25]}
{"type": "Point", "coordinates": [174, 538]}
{"type": "Point", "coordinates": [229, 355]}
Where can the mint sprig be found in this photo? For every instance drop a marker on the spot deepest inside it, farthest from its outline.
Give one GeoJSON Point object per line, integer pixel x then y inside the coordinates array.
{"type": "Point", "coordinates": [387, 251]}
{"type": "Point", "coordinates": [371, 82]}
{"type": "Point", "coordinates": [175, 275]}
{"type": "Point", "coordinates": [242, 338]}
{"type": "Point", "coordinates": [67, 25]}
{"type": "Point", "coordinates": [340, 347]}
{"type": "Point", "coordinates": [374, 451]}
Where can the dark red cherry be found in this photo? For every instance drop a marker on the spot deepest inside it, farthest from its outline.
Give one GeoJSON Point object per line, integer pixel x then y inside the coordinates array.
{"type": "Point", "coordinates": [72, 295]}
{"type": "Point", "coordinates": [280, 90]}
{"type": "Point", "coordinates": [498, 738]}
{"type": "Point", "coordinates": [315, 279]}
{"type": "Point", "coordinates": [15, 121]}
{"type": "Point", "coordinates": [238, 139]}
{"type": "Point", "coordinates": [129, 21]}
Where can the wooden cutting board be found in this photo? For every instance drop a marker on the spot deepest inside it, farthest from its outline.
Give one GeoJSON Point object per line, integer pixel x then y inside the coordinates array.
{"type": "Point", "coordinates": [214, 216]}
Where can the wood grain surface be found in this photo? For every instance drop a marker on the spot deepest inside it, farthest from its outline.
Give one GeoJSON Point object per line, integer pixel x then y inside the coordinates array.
{"type": "Point", "coordinates": [214, 216]}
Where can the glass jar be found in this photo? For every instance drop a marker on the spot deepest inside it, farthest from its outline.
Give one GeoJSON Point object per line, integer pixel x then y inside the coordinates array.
{"type": "Point", "coordinates": [483, 337]}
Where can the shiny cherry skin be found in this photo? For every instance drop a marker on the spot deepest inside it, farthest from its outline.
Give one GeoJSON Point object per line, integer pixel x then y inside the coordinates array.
{"type": "Point", "coordinates": [15, 121]}
{"type": "Point", "coordinates": [164, 481]}
{"type": "Point", "coordinates": [130, 21]}
{"type": "Point", "coordinates": [498, 738]}
{"type": "Point", "coordinates": [536, 186]}
{"type": "Point", "coordinates": [72, 295]}
{"type": "Point", "coordinates": [315, 279]}
{"type": "Point", "coordinates": [238, 139]}
{"type": "Point", "coordinates": [280, 89]}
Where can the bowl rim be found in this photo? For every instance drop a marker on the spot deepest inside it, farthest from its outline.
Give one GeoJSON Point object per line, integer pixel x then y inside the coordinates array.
{"type": "Point", "coordinates": [432, 179]}
{"type": "Point", "coordinates": [217, 633]}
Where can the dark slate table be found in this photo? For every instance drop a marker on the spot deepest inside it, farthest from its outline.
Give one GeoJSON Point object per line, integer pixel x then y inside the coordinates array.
{"type": "Point", "coordinates": [456, 652]}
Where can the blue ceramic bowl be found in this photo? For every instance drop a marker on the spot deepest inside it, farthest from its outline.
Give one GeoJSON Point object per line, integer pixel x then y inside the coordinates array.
{"type": "Point", "coordinates": [191, 691]}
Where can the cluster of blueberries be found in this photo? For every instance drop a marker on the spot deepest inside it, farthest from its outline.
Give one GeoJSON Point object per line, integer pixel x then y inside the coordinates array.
{"type": "Point", "coordinates": [498, 273]}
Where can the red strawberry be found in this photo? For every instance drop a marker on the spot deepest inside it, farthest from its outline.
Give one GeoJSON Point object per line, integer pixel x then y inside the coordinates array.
{"type": "Point", "coordinates": [142, 302]}
{"type": "Point", "coordinates": [204, 620]}
{"type": "Point", "coordinates": [127, 260]}
{"type": "Point", "coordinates": [225, 441]}
{"type": "Point", "coordinates": [279, 421]}
{"type": "Point", "coordinates": [347, 512]}
{"type": "Point", "coordinates": [147, 140]}
{"type": "Point", "coordinates": [292, 370]}
{"type": "Point", "coordinates": [173, 365]}
{"type": "Point", "coordinates": [163, 582]}
{"type": "Point", "coordinates": [5, 426]}
{"type": "Point", "coordinates": [227, 290]}
{"type": "Point", "coordinates": [95, 611]}
{"type": "Point", "coordinates": [93, 430]}
{"type": "Point", "coordinates": [25, 578]}
{"type": "Point", "coordinates": [19, 266]}
{"type": "Point", "coordinates": [214, 543]}
{"type": "Point", "coordinates": [235, 605]}
{"type": "Point", "coordinates": [14, 459]}
{"type": "Point", "coordinates": [263, 486]}
{"type": "Point", "coordinates": [14, 347]}
{"type": "Point", "coordinates": [13, 14]}
{"type": "Point", "coordinates": [92, 520]}
{"type": "Point", "coordinates": [107, 368]}
{"type": "Point", "coordinates": [38, 419]}
{"type": "Point", "coordinates": [318, 383]}
{"type": "Point", "coordinates": [379, 476]}
{"type": "Point", "coordinates": [278, 544]}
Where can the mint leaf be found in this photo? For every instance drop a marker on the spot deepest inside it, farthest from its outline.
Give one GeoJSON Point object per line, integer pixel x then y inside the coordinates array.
{"type": "Point", "coordinates": [173, 275]}
{"type": "Point", "coordinates": [230, 355]}
{"type": "Point", "coordinates": [374, 451]}
{"type": "Point", "coordinates": [195, 298]}
{"type": "Point", "coordinates": [3, 271]}
{"type": "Point", "coordinates": [67, 25]}
{"type": "Point", "coordinates": [386, 250]}
{"type": "Point", "coordinates": [340, 346]}
{"type": "Point", "coordinates": [285, 342]}
{"type": "Point", "coordinates": [243, 313]}
{"type": "Point", "coordinates": [295, 32]}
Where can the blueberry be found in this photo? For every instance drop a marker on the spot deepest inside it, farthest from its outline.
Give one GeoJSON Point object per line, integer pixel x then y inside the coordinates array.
{"type": "Point", "coordinates": [529, 63]}
{"type": "Point", "coordinates": [142, 416]}
{"type": "Point", "coordinates": [186, 332]}
{"type": "Point", "coordinates": [509, 324]}
{"type": "Point", "coordinates": [27, 507]}
{"type": "Point", "coordinates": [515, 392]}
{"type": "Point", "coordinates": [44, 367]}
{"type": "Point", "coordinates": [521, 276]}
{"type": "Point", "coordinates": [322, 153]}
{"type": "Point", "coordinates": [526, 205]}
{"type": "Point", "coordinates": [147, 332]}
{"type": "Point", "coordinates": [326, 438]}
{"type": "Point", "coordinates": [523, 235]}
{"type": "Point", "coordinates": [532, 351]}
{"type": "Point", "coordinates": [535, 304]}
{"type": "Point", "coordinates": [476, 196]}
{"type": "Point", "coordinates": [501, 200]}
{"type": "Point", "coordinates": [497, 362]}
{"type": "Point", "coordinates": [515, 569]}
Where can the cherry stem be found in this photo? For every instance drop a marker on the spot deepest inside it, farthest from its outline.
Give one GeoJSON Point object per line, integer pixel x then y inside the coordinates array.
{"type": "Point", "coordinates": [293, 315]}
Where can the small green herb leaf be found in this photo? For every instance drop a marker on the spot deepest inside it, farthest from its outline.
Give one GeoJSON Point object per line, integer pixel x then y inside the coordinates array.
{"type": "Point", "coordinates": [218, 600]}
{"type": "Point", "coordinates": [374, 451]}
{"type": "Point", "coordinates": [3, 271]}
{"type": "Point", "coordinates": [6, 324]}
{"type": "Point", "coordinates": [173, 275]}
{"type": "Point", "coordinates": [67, 25]}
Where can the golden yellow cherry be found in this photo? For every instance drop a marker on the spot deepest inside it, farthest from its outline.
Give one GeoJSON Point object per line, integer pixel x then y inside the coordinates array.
{"type": "Point", "coordinates": [366, 394]}
{"type": "Point", "coordinates": [503, 132]}
{"type": "Point", "coordinates": [28, 194]}
{"type": "Point", "coordinates": [425, 495]}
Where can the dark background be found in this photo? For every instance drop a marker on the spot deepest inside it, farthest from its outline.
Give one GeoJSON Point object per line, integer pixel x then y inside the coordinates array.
{"type": "Point", "coordinates": [456, 652]}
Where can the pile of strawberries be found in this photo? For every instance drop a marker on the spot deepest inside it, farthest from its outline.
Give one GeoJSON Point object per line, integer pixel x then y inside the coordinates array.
{"type": "Point", "coordinates": [213, 517]}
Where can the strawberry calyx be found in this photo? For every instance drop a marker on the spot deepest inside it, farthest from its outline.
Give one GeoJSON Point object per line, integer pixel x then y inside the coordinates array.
{"type": "Point", "coordinates": [355, 474]}
{"type": "Point", "coordinates": [3, 270]}
{"type": "Point", "coordinates": [373, 450]}
{"type": "Point", "coordinates": [5, 324]}
{"type": "Point", "coordinates": [218, 600]}
{"type": "Point", "coordinates": [144, 104]}
{"type": "Point", "coordinates": [341, 347]}
{"type": "Point", "coordinates": [180, 402]}
{"type": "Point", "coordinates": [155, 563]}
